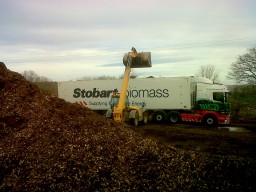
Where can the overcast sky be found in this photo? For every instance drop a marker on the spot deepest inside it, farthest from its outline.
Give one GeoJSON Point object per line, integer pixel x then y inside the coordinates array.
{"type": "Point", "coordinates": [65, 40]}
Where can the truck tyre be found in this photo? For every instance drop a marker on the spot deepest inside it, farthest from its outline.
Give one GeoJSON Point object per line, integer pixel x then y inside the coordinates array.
{"type": "Point", "coordinates": [159, 116]}
{"type": "Point", "coordinates": [210, 120]}
{"type": "Point", "coordinates": [174, 117]}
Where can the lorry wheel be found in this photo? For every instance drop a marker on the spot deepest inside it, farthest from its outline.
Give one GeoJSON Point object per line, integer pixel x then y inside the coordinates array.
{"type": "Point", "coordinates": [209, 120]}
{"type": "Point", "coordinates": [174, 117]}
{"type": "Point", "coordinates": [159, 116]}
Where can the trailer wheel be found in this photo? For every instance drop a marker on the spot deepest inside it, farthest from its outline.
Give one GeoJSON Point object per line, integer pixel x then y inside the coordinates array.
{"type": "Point", "coordinates": [159, 116]}
{"type": "Point", "coordinates": [210, 120]}
{"type": "Point", "coordinates": [174, 117]}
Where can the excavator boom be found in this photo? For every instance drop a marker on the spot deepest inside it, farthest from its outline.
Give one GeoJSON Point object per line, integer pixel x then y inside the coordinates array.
{"type": "Point", "coordinates": [131, 60]}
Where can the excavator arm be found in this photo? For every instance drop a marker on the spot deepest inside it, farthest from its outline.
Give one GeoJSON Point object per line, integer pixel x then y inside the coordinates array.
{"type": "Point", "coordinates": [118, 113]}
{"type": "Point", "coordinates": [131, 60]}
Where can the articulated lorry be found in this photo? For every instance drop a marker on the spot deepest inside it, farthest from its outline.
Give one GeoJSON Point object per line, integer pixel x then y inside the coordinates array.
{"type": "Point", "coordinates": [172, 99]}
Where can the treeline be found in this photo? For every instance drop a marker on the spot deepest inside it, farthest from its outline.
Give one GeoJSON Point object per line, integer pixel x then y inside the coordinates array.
{"type": "Point", "coordinates": [243, 102]}
{"type": "Point", "coordinates": [244, 93]}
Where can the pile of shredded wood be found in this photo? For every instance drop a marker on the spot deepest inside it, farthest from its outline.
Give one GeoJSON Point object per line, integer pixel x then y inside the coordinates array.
{"type": "Point", "coordinates": [47, 144]}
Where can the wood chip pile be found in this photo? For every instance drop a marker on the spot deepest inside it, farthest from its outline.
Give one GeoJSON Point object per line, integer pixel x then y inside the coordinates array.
{"type": "Point", "coordinates": [47, 144]}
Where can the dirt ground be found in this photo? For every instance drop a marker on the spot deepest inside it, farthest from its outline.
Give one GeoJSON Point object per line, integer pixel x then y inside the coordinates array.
{"type": "Point", "coordinates": [47, 144]}
{"type": "Point", "coordinates": [238, 138]}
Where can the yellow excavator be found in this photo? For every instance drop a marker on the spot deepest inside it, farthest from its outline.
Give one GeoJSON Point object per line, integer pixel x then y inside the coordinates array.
{"type": "Point", "coordinates": [121, 110]}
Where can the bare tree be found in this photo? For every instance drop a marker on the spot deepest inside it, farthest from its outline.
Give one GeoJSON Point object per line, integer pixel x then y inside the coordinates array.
{"type": "Point", "coordinates": [244, 68]}
{"type": "Point", "coordinates": [210, 72]}
{"type": "Point", "coordinates": [33, 77]}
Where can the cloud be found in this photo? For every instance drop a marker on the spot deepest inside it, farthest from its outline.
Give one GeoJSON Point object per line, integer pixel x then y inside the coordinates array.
{"type": "Point", "coordinates": [68, 39]}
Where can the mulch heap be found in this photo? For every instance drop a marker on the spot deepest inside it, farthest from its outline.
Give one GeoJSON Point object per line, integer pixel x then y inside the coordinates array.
{"type": "Point", "coordinates": [47, 144]}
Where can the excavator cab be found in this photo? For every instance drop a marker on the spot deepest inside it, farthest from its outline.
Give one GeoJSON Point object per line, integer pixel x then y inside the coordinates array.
{"type": "Point", "coordinates": [115, 99]}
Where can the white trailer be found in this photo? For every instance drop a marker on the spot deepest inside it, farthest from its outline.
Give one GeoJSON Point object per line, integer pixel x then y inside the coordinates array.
{"type": "Point", "coordinates": [154, 93]}
{"type": "Point", "coordinates": [164, 98]}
